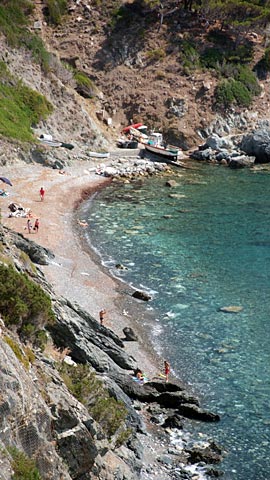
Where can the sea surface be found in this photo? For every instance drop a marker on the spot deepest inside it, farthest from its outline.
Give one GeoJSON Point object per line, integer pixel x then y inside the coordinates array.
{"type": "Point", "coordinates": [200, 246]}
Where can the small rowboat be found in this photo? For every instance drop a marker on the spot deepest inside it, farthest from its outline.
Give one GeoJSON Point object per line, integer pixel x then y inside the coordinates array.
{"type": "Point", "coordinates": [99, 154]}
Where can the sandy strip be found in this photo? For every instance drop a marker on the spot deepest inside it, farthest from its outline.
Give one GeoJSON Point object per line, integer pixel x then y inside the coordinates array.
{"type": "Point", "coordinates": [75, 274]}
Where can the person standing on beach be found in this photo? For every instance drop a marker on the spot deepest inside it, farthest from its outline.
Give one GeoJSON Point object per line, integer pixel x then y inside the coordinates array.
{"type": "Point", "coordinates": [36, 225]}
{"type": "Point", "coordinates": [102, 315]}
{"type": "Point", "coordinates": [29, 225]}
{"type": "Point", "coordinates": [167, 369]}
{"type": "Point", "coordinates": [42, 193]}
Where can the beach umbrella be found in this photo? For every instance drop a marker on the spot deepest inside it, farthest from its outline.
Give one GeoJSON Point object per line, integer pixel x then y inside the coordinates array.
{"type": "Point", "coordinates": [6, 180]}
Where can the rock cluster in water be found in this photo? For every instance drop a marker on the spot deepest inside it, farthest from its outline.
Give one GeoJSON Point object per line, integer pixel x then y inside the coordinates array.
{"type": "Point", "coordinates": [236, 151]}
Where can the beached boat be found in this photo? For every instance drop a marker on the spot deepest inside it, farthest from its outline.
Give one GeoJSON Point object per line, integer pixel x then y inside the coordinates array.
{"type": "Point", "coordinates": [139, 135]}
{"type": "Point", "coordinates": [155, 145]}
{"type": "Point", "coordinates": [134, 125]}
{"type": "Point", "coordinates": [99, 154]}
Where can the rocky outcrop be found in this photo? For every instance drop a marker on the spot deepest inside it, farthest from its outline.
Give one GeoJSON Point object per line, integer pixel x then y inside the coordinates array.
{"type": "Point", "coordinates": [35, 252]}
{"type": "Point", "coordinates": [257, 144]}
{"type": "Point", "coordinates": [224, 151]}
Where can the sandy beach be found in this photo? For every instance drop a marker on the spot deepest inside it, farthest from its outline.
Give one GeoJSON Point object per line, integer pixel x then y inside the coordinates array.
{"type": "Point", "coordinates": [76, 272]}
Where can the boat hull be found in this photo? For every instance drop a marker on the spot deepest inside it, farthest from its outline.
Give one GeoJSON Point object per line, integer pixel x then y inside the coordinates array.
{"type": "Point", "coordinates": [99, 154]}
{"type": "Point", "coordinates": [162, 152]}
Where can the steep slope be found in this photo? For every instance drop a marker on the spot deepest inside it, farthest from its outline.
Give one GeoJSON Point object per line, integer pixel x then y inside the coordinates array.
{"type": "Point", "coordinates": [145, 68]}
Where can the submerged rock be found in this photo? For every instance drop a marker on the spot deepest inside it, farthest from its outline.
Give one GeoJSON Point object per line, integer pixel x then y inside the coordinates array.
{"type": "Point", "coordinates": [231, 309]}
{"type": "Point", "coordinates": [142, 296]}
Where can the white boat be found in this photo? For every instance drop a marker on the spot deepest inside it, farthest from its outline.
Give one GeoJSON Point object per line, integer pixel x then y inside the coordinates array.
{"type": "Point", "coordinates": [140, 136]}
{"type": "Point", "coordinates": [155, 145]}
{"type": "Point", "coordinates": [99, 154]}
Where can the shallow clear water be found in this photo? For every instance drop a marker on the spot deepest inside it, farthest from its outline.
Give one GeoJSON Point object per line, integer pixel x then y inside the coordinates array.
{"type": "Point", "coordinates": [200, 246]}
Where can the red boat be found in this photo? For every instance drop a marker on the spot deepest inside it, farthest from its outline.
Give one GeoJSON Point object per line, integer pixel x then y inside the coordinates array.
{"type": "Point", "coordinates": [134, 125]}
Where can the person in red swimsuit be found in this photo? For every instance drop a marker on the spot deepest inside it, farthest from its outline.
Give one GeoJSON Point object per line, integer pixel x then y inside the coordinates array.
{"type": "Point", "coordinates": [42, 193]}
{"type": "Point", "coordinates": [167, 369]}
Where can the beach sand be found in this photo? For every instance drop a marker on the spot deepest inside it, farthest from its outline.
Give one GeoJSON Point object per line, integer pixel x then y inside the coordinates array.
{"type": "Point", "coordinates": [76, 272]}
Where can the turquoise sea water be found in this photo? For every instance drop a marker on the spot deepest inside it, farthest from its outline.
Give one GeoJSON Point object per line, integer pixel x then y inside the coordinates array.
{"type": "Point", "coordinates": [200, 246]}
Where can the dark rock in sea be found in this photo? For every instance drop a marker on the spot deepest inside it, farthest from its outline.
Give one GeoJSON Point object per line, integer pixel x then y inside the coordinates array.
{"type": "Point", "coordinates": [210, 454]}
{"type": "Point", "coordinates": [119, 266]}
{"type": "Point", "coordinates": [142, 296]}
{"type": "Point", "coordinates": [257, 144]}
{"type": "Point", "coordinates": [173, 421]}
{"type": "Point", "coordinates": [213, 472]}
{"type": "Point", "coordinates": [197, 413]}
{"type": "Point", "coordinates": [241, 161]}
{"type": "Point", "coordinates": [130, 335]}
{"type": "Point", "coordinates": [171, 183]}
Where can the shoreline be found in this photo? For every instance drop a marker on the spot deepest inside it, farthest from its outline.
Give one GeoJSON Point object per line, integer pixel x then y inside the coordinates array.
{"type": "Point", "coordinates": [76, 272]}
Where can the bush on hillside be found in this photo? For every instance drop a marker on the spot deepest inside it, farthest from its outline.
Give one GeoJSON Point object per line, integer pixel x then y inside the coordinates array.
{"type": "Point", "coordinates": [230, 92]}
{"type": "Point", "coordinates": [23, 303]}
{"type": "Point", "coordinates": [24, 468]}
{"type": "Point", "coordinates": [84, 385]}
{"type": "Point", "coordinates": [13, 25]}
{"type": "Point", "coordinates": [21, 107]}
{"type": "Point", "coordinates": [189, 56]}
{"type": "Point", "coordinates": [212, 57]}
{"type": "Point", "coordinates": [56, 10]}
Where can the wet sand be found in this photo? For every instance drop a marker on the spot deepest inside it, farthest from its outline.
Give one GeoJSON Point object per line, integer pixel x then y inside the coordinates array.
{"type": "Point", "coordinates": [76, 272]}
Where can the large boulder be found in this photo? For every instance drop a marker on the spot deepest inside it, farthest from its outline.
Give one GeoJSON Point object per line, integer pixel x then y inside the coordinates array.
{"type": "Point", "coordinates": [218, 143]}
{"type": "Point", "coordinates": [257, 144]}
{"type": "Point", "coordinates": [241, 161]}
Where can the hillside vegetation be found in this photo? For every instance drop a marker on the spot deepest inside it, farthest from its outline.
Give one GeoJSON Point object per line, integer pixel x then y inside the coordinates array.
{"type": "Point", "coordinates": [175, 65]}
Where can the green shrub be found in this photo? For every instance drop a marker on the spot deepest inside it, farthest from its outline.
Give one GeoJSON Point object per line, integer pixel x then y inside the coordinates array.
{"type": "Point", "coordinates": [56, 10]}
{"type": "Point", "coordinates": [23, 467]}
{"type": "Point", "coordinates": [109, 413]}
{"type": "Point", "coordinates": [189, 55]}
{"type": "Point", "coordinates": [37, 48]}
{"type": "Point", "coordinates": [242, 95]}
{"type": "Point", "coordinates": [21, 107]}
{"type": "Point", "coordinates": [84, 385]}
{"type": "Point", "coordinates": [212, 58]}
{"type": "Point", "coordinates": [266, 58]}
{"type": "Point", "coordinates": [23, 302]}
{"type": "Point", "coordinates": [83, 80]}
{"type": "Point", "coordinates": [24, 356]}
{"type": "Point", "coordinates": [14, 23]}
{"type": "Point", "coordinates": [223, 94]}
{"type": "Point", "coordinates": [230, 92]}
{"type": "Point", "coordinates": [156, 54]}
{"type": "Point", "coordinates": [249, 79]}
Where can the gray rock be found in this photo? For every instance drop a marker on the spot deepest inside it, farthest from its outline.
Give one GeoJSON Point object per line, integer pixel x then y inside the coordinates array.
{"type": "Point", "coordinates": [257, 144]}
{"type": "Point", "coordinates": [36, 253]}
{"type": "Point", "coordinates": [130, 335]}
{"type": "Point", "coordinates": [209, 454]}
{"type": "Point", "coordinates": [142, 296]}
{"type": "Point", "coordinates": [241, 161]}
{"type": "Point", "coordinates": [196, 413]}
{"type": "Point", "coordinates": [203, 154]}
{"type": "Point", "coordinates": [217, 143]}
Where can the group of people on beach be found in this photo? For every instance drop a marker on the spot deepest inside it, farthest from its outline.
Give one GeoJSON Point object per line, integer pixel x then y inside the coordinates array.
{"type": "Point", "coordinates": [29, 225]}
